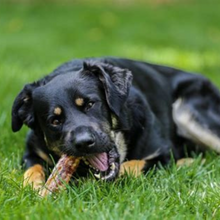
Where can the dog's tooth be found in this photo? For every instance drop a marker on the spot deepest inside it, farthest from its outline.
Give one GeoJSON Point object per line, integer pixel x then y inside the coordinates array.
{"type": "Point", "coordinates": [97, 175]}
{"type": "Point", "coordinates": [112, 167]}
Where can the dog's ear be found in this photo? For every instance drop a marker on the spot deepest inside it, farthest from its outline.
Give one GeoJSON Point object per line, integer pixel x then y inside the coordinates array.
{"type": "Point", "coordinates": [116, 82]}
{"type": "Point", "coordinates": [22, 109]}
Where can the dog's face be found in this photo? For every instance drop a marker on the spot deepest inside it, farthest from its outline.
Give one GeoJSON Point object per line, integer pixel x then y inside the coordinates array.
{"type": "Point", "coordinates": [74, 112]}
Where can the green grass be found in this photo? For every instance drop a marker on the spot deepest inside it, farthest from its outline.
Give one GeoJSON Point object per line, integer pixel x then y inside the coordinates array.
{"type": "Point", "coordinates": [35, 38]}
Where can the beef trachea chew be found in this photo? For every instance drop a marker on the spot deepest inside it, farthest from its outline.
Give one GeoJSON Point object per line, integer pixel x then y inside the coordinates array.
{"type": "Point", "coordinates": [60, 175]}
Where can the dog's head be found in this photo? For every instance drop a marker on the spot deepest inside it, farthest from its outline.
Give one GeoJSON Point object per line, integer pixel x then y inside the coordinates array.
{"type": "Point", "coordinates": [76, 112]}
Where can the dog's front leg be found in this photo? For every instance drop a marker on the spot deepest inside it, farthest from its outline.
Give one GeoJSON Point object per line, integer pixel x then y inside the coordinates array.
{"type": "Point", "coordinates": [137, 167]}
{"type": "Point", "coordinates": [35, 158]}
{"type": "Point", "coordinates": [132, 167]}
{"type": "Point", "coordinates": [34, 176]}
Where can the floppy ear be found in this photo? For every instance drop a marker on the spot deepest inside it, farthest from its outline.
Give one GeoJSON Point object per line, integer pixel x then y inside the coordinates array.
{"type": "Point", "coordinates": [22, 109]}
{"type": "Point", "coordinates": [116, 82]}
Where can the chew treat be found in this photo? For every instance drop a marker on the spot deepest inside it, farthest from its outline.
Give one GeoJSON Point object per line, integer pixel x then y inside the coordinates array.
{"type": "Point", "coordinates": [60, 175]}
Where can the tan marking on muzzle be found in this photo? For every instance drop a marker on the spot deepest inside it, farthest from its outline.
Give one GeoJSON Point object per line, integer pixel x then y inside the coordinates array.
{"type": "Point", "coordinates": [57, 111]}
{"type": "Point", "coordinates": [79, 101]}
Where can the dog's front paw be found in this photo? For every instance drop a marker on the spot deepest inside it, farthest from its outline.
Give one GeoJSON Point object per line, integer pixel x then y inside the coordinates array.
{"type": "Point", "coordinates": [132, 167]}
{"type": "Point", "coordinates": [35, 177]}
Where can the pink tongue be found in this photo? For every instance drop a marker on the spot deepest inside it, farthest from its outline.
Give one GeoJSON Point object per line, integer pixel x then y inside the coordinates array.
{"type": "Point", "coordinates": [99, 161]}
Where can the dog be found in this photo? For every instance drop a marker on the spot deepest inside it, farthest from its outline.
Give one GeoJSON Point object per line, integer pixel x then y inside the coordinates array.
{"type": "Point", "coordinates": [117, 114]}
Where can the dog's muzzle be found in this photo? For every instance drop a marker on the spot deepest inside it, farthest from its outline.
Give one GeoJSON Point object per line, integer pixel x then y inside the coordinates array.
{"type": "Point", "coordinates": [97, 152]}
{"type": "Point", "coordinates": [84, 140]}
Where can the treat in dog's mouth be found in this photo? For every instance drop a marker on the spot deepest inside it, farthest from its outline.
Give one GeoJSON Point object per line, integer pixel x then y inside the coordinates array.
{"type": "Point", "coordinates": [60, 175]}
{"type": "Point", "coordinates": [104, 165]}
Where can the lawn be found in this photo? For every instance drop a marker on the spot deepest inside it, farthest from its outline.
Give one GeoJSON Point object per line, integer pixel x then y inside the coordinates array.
{"type": "Point", "coordinates": [35, 38]}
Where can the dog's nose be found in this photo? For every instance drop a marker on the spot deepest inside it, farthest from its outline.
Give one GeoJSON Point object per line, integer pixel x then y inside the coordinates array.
{"type": "Point", "coordinates": [84, 140]}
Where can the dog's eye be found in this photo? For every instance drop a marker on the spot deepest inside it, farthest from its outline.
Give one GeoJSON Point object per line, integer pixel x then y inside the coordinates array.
{"type": "Point", "coordinates": [89, 105]}
{"type": "Point", "coordinates": [55, 122]}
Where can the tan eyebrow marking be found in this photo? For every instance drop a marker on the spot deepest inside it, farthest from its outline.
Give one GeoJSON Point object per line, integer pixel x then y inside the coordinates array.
{"type": "Point", "coordinates": [57, 111]}
{"type": "Point", "coordinates": [79, 101]}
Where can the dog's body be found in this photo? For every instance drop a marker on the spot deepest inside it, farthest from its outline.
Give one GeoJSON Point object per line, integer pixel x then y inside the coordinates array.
{"type": "Point", "coordinates": [88, 108]}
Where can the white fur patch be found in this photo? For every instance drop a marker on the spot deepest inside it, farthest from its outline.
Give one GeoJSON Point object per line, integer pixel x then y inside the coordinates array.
{"type": "Point", "coordinates": [191, 129]}
{"type": "Point", "coordinates": [119, 140]}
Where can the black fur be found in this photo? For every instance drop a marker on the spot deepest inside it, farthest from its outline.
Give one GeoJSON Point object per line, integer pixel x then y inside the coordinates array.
{"type": "Point", "coordinates": [142, 110]}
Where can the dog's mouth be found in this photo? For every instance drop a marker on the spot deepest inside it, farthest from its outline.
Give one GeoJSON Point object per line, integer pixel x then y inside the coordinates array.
{"type": "Point", "coordinates": [104, 165]}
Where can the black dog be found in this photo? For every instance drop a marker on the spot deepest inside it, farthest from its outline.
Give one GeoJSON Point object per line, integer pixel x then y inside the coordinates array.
{"type": "Point", "coordinates": [90, 109]}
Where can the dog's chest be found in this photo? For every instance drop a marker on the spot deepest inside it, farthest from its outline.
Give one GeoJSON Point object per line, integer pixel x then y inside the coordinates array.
{"type": "Point", "coordinates": [119, 141]}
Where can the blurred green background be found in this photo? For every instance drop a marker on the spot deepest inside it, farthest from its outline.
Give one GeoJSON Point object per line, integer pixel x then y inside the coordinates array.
{"type": "Point", "coordinates": [37, 36]}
